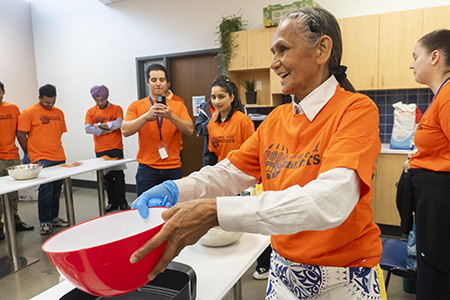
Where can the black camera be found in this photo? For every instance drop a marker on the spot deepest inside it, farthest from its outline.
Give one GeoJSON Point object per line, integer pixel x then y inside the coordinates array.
{"type": "Point", "coordinates": [161, 99]}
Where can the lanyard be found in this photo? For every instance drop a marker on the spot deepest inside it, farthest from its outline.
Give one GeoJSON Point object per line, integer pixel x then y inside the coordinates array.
{"type": "Point", "coordinates": [445, 81]}
{"type": "Point", "coordinates": [159, 120]}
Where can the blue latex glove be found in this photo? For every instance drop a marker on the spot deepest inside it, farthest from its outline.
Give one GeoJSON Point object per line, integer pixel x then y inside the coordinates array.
{"type": "Point", "coordinates": [165, 194]}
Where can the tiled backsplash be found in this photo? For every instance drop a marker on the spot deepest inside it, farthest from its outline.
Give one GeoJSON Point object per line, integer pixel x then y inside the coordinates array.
{"type": "Point", "coordinates": [384, 100]}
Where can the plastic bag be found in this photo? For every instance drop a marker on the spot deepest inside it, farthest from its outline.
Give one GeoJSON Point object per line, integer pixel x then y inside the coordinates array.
{"type": "Point", "coordinates": [404, 125]}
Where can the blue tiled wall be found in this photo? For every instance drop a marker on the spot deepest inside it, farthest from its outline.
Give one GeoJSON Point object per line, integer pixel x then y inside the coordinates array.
{"type": "Point", "coordinates": [384, 100]}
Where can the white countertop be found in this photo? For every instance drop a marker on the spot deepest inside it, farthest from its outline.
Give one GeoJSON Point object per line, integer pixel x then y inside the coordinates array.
{"type": "Point", "coordinates": [217, 268]}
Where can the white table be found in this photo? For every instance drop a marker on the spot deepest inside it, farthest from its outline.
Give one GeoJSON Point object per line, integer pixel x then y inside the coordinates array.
{"type": "Point", "coordinates": [50, 174]}
{"type": "Point", "coordinates": [218, 269]}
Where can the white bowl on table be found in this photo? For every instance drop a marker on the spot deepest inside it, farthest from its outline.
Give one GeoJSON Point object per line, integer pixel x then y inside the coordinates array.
{"type": "Point", "coordinates": [217, 237]}
{"type": "Point", "coordinates": [23, 172]}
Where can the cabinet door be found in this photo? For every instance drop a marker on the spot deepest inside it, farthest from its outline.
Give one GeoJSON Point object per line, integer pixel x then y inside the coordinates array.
{"type": "Point", "coordinates": [360, 50]}
{"type": "Point", "coordinates": [436, 18]}
{"type": "Point", "coordinates": [258, 48]}
{"type": "Point", "coordinates": [399, 33]}
{"type": "Point", "coordinates": [388, 168]}
{"type": "Point", "coordinates": [238, 60]}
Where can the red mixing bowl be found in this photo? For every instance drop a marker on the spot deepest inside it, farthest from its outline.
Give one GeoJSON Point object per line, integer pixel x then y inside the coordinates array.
{"type": "Point", "coordinates": [94, 255]}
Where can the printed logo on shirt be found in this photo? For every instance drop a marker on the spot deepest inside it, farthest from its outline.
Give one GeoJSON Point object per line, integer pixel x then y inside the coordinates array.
{"type": "Point", "coordinates": [6, 117]}
{"type": "Point", "coordinates": [216, 140]}
{"type": "Point", "coordinates": [278, 157]}
{"type": "Point", "coordinates": [46, 119]}
{"type": "Point", "coordinates": [101, 119]}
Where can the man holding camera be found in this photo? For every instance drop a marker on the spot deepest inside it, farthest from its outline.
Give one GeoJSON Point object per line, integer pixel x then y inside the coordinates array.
{"type": "Point", "coordinates": [160, 122]}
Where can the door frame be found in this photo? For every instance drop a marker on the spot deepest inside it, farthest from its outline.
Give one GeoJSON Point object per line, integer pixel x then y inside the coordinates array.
{"type": "Point", "coordinates": [164, 59]}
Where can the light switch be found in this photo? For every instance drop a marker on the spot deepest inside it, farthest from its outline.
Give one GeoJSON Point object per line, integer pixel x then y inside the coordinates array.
{"type": "Point", "coordinates": [258, 85]}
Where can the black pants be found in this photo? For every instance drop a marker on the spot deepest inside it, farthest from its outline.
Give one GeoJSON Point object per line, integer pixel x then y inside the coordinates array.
{"type": "Point", "coordinates": [432, 283]}
{"type": "Point", "coordinates": [114, 180]}
{"type": "Point", "coordinates": [263, 261]}
{"type": "Point", "coordinates": [431, 192]}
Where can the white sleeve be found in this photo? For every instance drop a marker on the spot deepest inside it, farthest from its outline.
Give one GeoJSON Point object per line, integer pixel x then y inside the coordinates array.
{"type": "Point", "coordinates": [223, 179]}
{"type": "Point", "coordinates": [321, 204]}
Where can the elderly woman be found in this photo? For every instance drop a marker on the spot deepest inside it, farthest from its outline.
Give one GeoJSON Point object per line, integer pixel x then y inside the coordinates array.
{"type": "Point", "coordinates": [315, 158]}
{"type": "Point", "coordinates": [429, 174]}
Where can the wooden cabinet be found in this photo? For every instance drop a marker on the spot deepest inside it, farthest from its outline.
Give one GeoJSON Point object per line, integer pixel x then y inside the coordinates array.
{"type": "Point", "coordinates": [252, 60]}
{"type": "Point", "coordinates": [388, 168]}
{"type": "Point", "coordinates": [253, 51]}
{"type": "Point", "coordinates": [238, 60]}
{"type": "Point", "coordinates": [376, 49]}
{"type": "Point", "coordinates": [360, 50]}
{"type": "Point", "coordinates": [399, 33]}
{"type": "Point", "coordinates": [436, 18]}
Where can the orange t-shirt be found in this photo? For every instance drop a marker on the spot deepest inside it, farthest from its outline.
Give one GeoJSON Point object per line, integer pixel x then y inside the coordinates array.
{"type": "Point", "coordinates": [287, 149]}
{"type": "Point", "coordinates": [9, 117]}
{"type": "Point", "coordinates": [44, 127]}
{"type": "Point", "coordinates": [174, 97]}
{"type": "Point", "coordinates": [110, 113]}
{"type": "Point", "coordinates": [229, 135]}
{"type": "Point", "coordinates": [433, 134]}
{"type": "Point", "coordinates": [149, 139]}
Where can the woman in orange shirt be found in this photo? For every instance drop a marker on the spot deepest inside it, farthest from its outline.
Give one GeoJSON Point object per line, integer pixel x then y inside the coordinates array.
{"type": "Point", "coordinates": [315, 158]}
{"type": "Point", "coordinates": [232, 127]}
{"type": "Point", "coordinates": [429, 176]}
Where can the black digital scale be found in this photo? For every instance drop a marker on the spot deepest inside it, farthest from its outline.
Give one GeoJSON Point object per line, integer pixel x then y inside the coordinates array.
{"type": "Point", "coordinates": [177, 282]}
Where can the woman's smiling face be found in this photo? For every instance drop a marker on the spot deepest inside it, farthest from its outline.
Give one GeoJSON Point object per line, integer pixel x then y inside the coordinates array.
{"type": "Point", "coordinates": [294, 60]}
{"type": "Point", "coordinates": [221, 100]}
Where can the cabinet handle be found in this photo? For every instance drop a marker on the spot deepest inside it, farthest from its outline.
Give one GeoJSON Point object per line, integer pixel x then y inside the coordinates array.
{"type": "Point", "coordinates": [373, 80]}
{"type": "Point", "coordinates": [243, 61]}
{"type": "Point", "coordinates": [382, 81]}
{"type": "Point", "coordinates": [250, 60]}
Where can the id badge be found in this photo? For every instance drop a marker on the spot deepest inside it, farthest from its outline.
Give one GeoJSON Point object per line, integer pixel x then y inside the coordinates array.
{"type": "Point", "coordinates": [162, 149]}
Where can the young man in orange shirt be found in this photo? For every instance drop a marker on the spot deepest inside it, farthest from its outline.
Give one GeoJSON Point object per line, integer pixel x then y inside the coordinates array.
{"type": "Point", "coordinates": [39, 133]}
{"type": "Point", "coordinates": [103, 121]}
{"type": "Point", "coordinates": [160, 127]}
{"type": "Point", "coordinates": [9, 154]}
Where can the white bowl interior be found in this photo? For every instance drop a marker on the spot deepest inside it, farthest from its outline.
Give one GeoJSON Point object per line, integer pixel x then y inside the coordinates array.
{"type": "Point", "coordinates": [103, 230]}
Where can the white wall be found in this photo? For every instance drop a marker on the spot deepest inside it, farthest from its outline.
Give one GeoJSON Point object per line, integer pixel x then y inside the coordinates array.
{"type": "Point", "coordinates": [17, 64]}
{"type": "Point", "coordinates": [80, 43]}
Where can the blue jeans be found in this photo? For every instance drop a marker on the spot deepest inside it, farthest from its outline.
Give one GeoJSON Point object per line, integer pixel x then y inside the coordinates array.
{"type": "Point", "coordinates": [147, 177]}
{"type": "Point", "coordinates": [48, 195]}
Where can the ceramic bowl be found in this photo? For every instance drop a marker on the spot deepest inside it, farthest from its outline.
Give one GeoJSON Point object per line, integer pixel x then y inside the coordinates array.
{"type": "Point", "coordinates": [217, 237]}
{"type": "Point", "coordinates": [22, 172]}
{"type": "Point", "coordinates": [94, 255]}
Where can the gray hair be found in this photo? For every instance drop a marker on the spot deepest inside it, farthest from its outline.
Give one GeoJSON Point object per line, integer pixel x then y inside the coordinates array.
{"type": "Point", "coordinates": [316, 22]}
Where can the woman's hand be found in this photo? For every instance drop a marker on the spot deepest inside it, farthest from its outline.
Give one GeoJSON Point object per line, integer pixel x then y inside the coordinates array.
{"type": "Point", "coordinates": [185, 224]}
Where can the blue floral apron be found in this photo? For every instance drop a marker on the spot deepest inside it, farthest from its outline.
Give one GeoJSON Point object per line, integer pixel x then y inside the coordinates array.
{"type": "Point", "coordinates": [293, 281]}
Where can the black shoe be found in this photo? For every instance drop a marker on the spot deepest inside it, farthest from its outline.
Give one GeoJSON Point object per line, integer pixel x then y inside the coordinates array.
{"type": "Point", "coordinates": [110, 207]}
{"type": "Point", "coordinates": [21, 226]}
{"type": "Point", "coordinates": [2, 235]}
{"type": "Point", "coordinates": [124, 207]}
